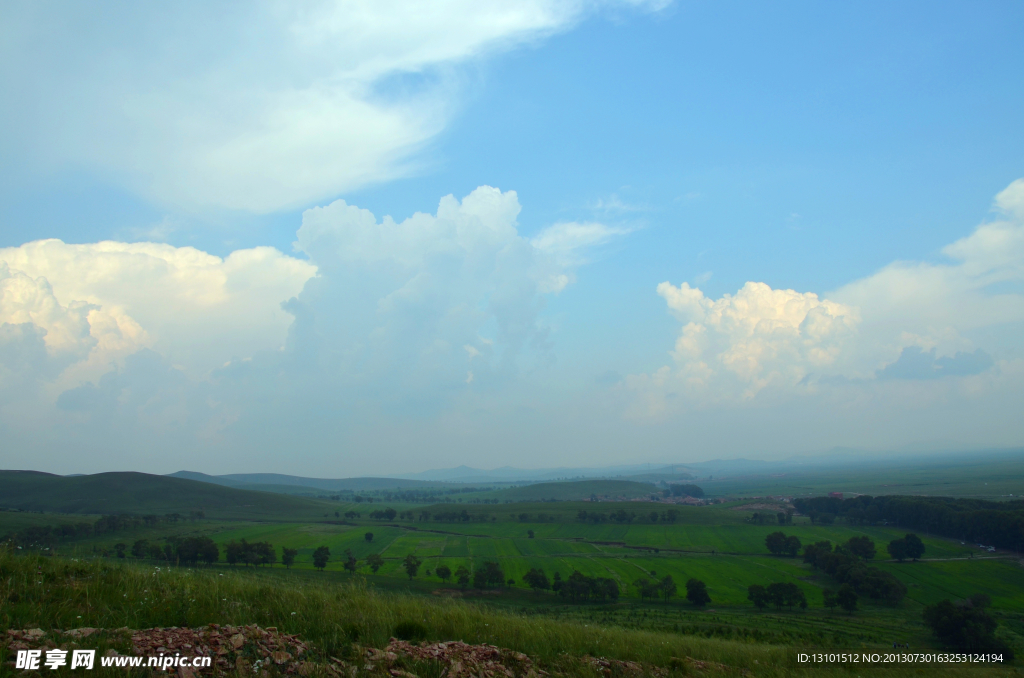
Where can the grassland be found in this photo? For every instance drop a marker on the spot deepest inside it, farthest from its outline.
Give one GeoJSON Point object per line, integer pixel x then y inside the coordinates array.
{"type": "Point", "coordinates": [718, 544]}
{"type": "Point", "coordinates": [58, 593]}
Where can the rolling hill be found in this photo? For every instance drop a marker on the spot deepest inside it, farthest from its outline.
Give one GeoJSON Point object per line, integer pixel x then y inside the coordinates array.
{"type": "Point", "coordinates": [277, 482]}
{"type": "Point", "coordinates": [142, 493]}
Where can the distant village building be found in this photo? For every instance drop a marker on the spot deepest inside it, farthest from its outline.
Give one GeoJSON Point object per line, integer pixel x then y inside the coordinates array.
{"type": "Point", "coordinates": [835, 495]}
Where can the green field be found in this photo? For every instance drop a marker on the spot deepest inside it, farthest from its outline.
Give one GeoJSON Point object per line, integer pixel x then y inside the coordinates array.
{"type": "Point", "coordinates": [717, 544]}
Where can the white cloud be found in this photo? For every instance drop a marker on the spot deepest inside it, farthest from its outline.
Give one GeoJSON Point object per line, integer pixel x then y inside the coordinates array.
{"type": "Point", "coordinates": [426, 294]}
{"type": "Point", "coordinates": [908, 320]}
{"type": "Point", "coordinates": [195, 309]}
{"type": "Point", "coordinates": [259, 106]}
{"type": "Point", "coordinates": [567, 240]}
{"type": "Point", "coordinates": [756, 337]}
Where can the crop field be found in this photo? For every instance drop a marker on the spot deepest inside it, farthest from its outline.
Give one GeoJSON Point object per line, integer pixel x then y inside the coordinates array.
{"type": "Point", "coordinates": [720, 544]}
{"type": "Point", "coordinates": [714, 544]}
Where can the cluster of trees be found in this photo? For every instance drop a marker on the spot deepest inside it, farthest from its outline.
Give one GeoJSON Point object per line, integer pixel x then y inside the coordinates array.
{"type": "Point", "coordinates": [778, 594]}
{"type": "Point", "coordinates": [578, 587]}
{"type": "Point", "coordinates": [386, 514]}
{"type": "Point", "coordinates": [625, 517]}
{"type": "Point", "coordinates": [185, 550]}
{"type": "Point", "coordinates": [1000, 523]}
{"type": "Point", "coordinates": [779, 544]}
{"type": "Point", "coordinates": [453, 516]}
{"type": "Point", "coordinates": [536, 518]}
{"type": "Point", "coordinates": [966, 626]}
{"type": "Point", "coordinates": [663, 588]}
{"type": "Point", "coordinates": [846, 565]}
{"type": "Point", "coordinates": [845, 598]}
{"type": "Point", "coordinates": [780, 518]}
{"type": "Point", "coordinates": [48, 535]}
{"type": "Point", "coordinates": [255, 553]}
{"type": "Point", "coordinates": [684, 491]}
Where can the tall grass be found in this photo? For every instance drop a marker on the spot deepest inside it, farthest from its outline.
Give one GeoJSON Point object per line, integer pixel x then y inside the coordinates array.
{"type": "Point", "coordinates": [56, 593]}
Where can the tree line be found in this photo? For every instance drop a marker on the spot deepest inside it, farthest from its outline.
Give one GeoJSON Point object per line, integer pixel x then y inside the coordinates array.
{"type": "Point", "coordinates": [48, 535]}
{"type": "Point", "coordinates": [622, 516]}
{"type": "Point", "coordinates": [999, 524]}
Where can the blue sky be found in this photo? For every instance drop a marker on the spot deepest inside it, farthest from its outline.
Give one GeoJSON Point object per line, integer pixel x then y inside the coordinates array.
{"type": "Point", "coordinates": [837, 181]}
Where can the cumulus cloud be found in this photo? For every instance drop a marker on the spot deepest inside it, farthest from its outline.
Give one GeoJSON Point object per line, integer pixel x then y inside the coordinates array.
{"type": "Point", "coordinates": [259, 106]}
{"type": "Point", "coordinates": [911, 320]}
{"type": "Point", "coordinates": [425, 295]}
{"type": "Point", "coordinates": [757, 336]}
{"type": "Point", "coordinates": [109, 299]}
{"type": "Point", "coordinates": [386, 321]}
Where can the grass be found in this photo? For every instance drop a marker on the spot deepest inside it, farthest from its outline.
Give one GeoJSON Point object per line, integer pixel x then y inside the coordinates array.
{"type": "Point", "coordinates": [60, 593]}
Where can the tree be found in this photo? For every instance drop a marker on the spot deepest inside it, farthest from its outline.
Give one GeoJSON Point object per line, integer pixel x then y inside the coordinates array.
{"type": "Point", "coordinates": [140, 548]}
{"type": "Point", "coordinates": [120, 548]}
{"type": "Point", "coordinates": [375, 561]}
{"type": "Point", "coordinates": [646, 588]}
{"type": "Point", "coordinates": [697, 592]}
{"type": "Point", "coordinates": [368, 536]}
{"type": "Point", "coordinates": [536, 579]}
{"type": "Point", "coordinates": [489, 575]}
{"type": "Point", "coordinates": [462, 575]}
{"type": "Point", "coordinates": [862, 547]}
{"type": "Point", "coordinates": [411, 564]}
{"type": "Point", "coordinates": [667, 587]}
{"type": "Point", "coordinates": [350, 564]}
{"type": "Point", "coordinates": [965, 626]}
{"type": "Point", "coordinates": [758, 595]}
{"type": "Point", "coordinates": [208, 551]}
{"type": "Point", "coordinates": [320, 557]}
{"type": "Point", "coordinates": [264, 553]}
{"type": "Point", "coordinates": [897, 548]}
{"type": "Point", "coordinates": [782, 594]}
{"type": "Point", "coordinates": [556, 582]}
{"type": "Point", "coordinates": [813, 551]}
{"type": "Point", "coordinates": [443, 572]}
{"type": "Point", "coordinates": [792, 546]}
{"type": "Point", "coordinates": [831, 599]}
{"type": "Point", "coordinates": [288, 556]}
{"type": "Point", "coordinates": [776, 543]}
{"type": "Point", "coordinates": [915, 547]}
{"type": "Point", "coordinates": [847, 598]}
{"type": "Point", "coordinates": [529, 534]}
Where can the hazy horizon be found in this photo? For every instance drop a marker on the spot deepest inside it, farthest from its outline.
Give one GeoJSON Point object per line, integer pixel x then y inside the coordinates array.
{"type": "Point", "coordinates": [334, 243]}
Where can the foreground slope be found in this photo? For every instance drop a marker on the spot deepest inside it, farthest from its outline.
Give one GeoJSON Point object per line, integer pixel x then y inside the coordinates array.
{"type": "Point", "coordinates": [142, 493]}
{"type": "Point", "coordinates": [103, 595]}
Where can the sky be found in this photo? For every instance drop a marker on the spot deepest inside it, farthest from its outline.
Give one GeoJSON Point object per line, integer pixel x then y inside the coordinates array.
{"type": "Point", "coordinates": [366, 238]}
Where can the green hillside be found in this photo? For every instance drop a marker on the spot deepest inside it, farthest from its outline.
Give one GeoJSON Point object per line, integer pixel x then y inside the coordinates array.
{"type": "Point", "coordinates": [277, 482]}
{"type": "Point", "coordinates": [575, 491]}
{"type": "Point", "coordinates": [142, 493]}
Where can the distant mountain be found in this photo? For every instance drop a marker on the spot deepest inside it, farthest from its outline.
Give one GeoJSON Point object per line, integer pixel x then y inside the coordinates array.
{"type": "Point", "coordinates": [142, 493]}
{"type": "Point", "coordinates": [273, 482]}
